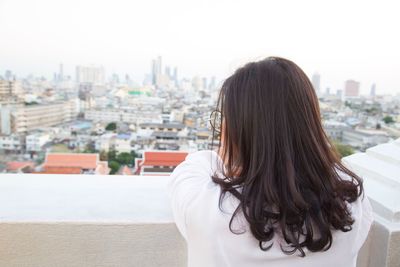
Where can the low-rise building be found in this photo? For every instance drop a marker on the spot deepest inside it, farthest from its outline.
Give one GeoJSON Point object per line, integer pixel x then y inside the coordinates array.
{"type": "Point", "coordinates": [13, 142]}
{"type": "Point", "coordinates": [159, 162]}
{"type": "Point", "coordinates": [363, 139]}
{"type": "Point", "coordinates": [36, 140]}
{"type": "Point", "coordinates": [123, 143]}
{"type": "Point", "coordinates": [20, 167]}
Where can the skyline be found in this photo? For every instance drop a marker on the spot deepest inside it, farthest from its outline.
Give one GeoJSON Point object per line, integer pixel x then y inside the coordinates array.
{"type": "Point", "coordinates": [109, 76]}
{"type": "Point", "coordinates": [340, 40]}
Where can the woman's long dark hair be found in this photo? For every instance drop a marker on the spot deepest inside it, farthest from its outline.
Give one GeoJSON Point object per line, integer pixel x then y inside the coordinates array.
{"type": "Point", "coordinates": [275, 150]}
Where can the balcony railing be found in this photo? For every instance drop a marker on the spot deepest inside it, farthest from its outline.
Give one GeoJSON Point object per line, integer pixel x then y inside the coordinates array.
{"type": "Point", "coordinates": [85, 220]}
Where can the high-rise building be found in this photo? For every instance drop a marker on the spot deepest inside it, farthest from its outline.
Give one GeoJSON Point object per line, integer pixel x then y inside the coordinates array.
{"type": "Point", "coordinates": [373, 90]}
{"type": "Point", "coordinates": [5, 120]}
{"type": "Point", "coordinates": [168, 72]}
{"type": "Point", "coordinates": [212, 84]}
{"type": "Point", "coordinates": [8, 75]}
{"type": "Point", "coordinates": [176, 74]}
{"type": "Point", "coordinates": [339, 93]}
{"type": "Point", "coordinates": [90, 74]}
{"type": "Point", "coordinates": [24, 119]}
{"type": "Point", "coordinates": [197, 83]}
{"type": "Point", "coordinates": [316, 81]}
{"type": "Point", "coordinates": [328, 91]}
{"type": "Point", "coordinates": [9, 89]}
{"type": "Point", "coordinates": [61, 73]}
{"type": "Point", "coordinates": [205, 84]}
{"type": "Point", "coordinates": [156, 69]}
{"type": "Point", "coordinates": [351, 88]}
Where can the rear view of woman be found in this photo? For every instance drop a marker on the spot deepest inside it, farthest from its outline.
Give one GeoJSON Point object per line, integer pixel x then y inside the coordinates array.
{"type": "Point", "coordinates": [275, 193]}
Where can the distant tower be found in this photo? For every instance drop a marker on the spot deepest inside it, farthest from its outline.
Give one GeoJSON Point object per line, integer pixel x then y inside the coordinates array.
{"type": "Point", "coordinates": [153, 71]}
{"type": "Point", "coordinates": [316, 81]}
{"type": "Point", "coordinates": [156, 69]}
{"type": "Point", "coordinates": [90, 74]}
{"type": "Point", "coordinates": [175, 75]}
{"type": "Point", "coordinates": [212, 83]}
{"type": "Point", "coordinates": [205, 83]}
{"type": "Point", "coordinates": [8, 75]}
{"type": "Point", "coordinates": [61, 73]}
{"type": "Point", "coordinates": [159, 65]}
{"type": "Point", "coordinates": [351, 88]}
{"type": "Point", "coordinates": [339, 93]}
{"type": "Point", "coordinates": [373, 90]}
{"type": "Point", "coordinates": [168, 71]}
{"type": "Point", "coordinates": [328, 91]}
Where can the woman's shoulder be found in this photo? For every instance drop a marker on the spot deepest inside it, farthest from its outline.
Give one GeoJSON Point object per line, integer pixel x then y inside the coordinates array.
{"type": "Point", "coordinates": [361, 212]}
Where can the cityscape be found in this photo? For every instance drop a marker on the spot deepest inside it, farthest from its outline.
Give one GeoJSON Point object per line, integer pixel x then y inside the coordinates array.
{"type": "Point", "coordinates": [104, 123]}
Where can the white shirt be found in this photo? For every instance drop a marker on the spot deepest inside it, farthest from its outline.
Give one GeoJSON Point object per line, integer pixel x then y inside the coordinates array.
{"type": "Point", "coordinates": [195, 197]}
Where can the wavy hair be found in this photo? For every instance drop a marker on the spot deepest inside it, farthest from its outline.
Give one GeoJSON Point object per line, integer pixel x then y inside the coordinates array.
{"type": "Point", "coordinates": [278, 161]}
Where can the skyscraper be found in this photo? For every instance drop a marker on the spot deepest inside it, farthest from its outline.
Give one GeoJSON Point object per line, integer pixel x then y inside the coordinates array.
{"type": "Point", "coordinates": [351, 88]}
{"type": "Point", "coordinates": [168, 72]}
{"type": "Point", "coordinates": [212, 83]}
{"type": "Point", "coordinates": [61, 73]}
{"type": "Point", "coordinates": [175, 78]}
{"type": "Point", "coordinates": [156, 69]}
{"type": "Point", "coordinates": [90, 74]}
{"type": "Point", "coordinates": [373, 90]}
{"type": "Point", "coordinates": [316, 81]}
{"type": "Point", "coordinates": [8, 75]}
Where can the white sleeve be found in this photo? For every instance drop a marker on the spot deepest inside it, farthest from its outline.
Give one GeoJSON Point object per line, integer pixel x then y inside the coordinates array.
{"type": "Point", "coordinates": [186, 181]}
{"type": "Point", "coordinates": [365, 221]}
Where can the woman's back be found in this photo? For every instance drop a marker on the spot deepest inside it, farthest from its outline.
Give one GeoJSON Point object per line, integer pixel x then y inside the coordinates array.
{"type": "Point", "coordinates": [210, 242]}
{"type": "Point", "coordinates": [295, 201]}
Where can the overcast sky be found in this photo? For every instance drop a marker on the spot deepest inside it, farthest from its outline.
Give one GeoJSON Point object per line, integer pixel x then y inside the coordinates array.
{"type": "Point", "coordinates": [340, 39]}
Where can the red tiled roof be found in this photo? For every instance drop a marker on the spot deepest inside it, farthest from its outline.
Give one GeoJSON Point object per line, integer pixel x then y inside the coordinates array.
{"type": "Point", "coordinates": [164, 158]}
{"type": "Point", "coordinates": [61, 170]}
{"type": "Point", "coordinates": [84, 161]}
{"type": "Point", "coordinates": [16, 165]}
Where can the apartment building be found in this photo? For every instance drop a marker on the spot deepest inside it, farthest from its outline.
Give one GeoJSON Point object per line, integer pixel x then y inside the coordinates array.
{"type": "Point", "coordinates": [9, 89]}
{"type": "Point", "coordinates": [125, 115]}
{"type": "Point", "coordinates": [25, 118]}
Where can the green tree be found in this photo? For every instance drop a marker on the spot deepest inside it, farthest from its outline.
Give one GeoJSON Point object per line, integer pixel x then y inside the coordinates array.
{"type": "Point", "coordinates": [112, 126]}
{"type": "Point", "coordinates": [388, 119]}
{"type": "Point", "coordinates": [125, 158]}
{"type": "Point", "coordinates": [114, 166]}
{"type": "Point", "coordinates": [344, 150]}
{"type": "Point", "coordinates": [134, 155]}
{"type": "Point", "coordinates": [112, 155]}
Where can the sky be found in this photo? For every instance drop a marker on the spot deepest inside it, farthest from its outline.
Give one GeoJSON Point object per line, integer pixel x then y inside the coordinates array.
{"type": "Point", "coordinates": [341, 39]}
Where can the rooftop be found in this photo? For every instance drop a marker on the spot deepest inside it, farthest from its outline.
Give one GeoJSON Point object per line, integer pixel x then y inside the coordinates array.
{"type": "Point", "coordinates": [84, 161]}
{"type": "Point", "coordinates": [163, 158]}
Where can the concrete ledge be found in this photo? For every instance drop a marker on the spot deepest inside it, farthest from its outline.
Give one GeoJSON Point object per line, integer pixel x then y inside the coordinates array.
{"type": "Point", "coordinates": [87, 245]}
{"type": "Point", "coordinates": [380, 169]}
{"type": "Point", "coordinates": [91, 221]}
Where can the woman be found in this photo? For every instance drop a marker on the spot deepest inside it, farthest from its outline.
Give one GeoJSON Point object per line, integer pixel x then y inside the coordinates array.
{"type": "Point", "coordinates": [275, 193]}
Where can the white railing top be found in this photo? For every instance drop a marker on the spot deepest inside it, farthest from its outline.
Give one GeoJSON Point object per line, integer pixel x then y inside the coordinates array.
{"type": "Point", "coordinates": [84, 198]}
{"type": "Point", "coordinates": [379, 166]}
